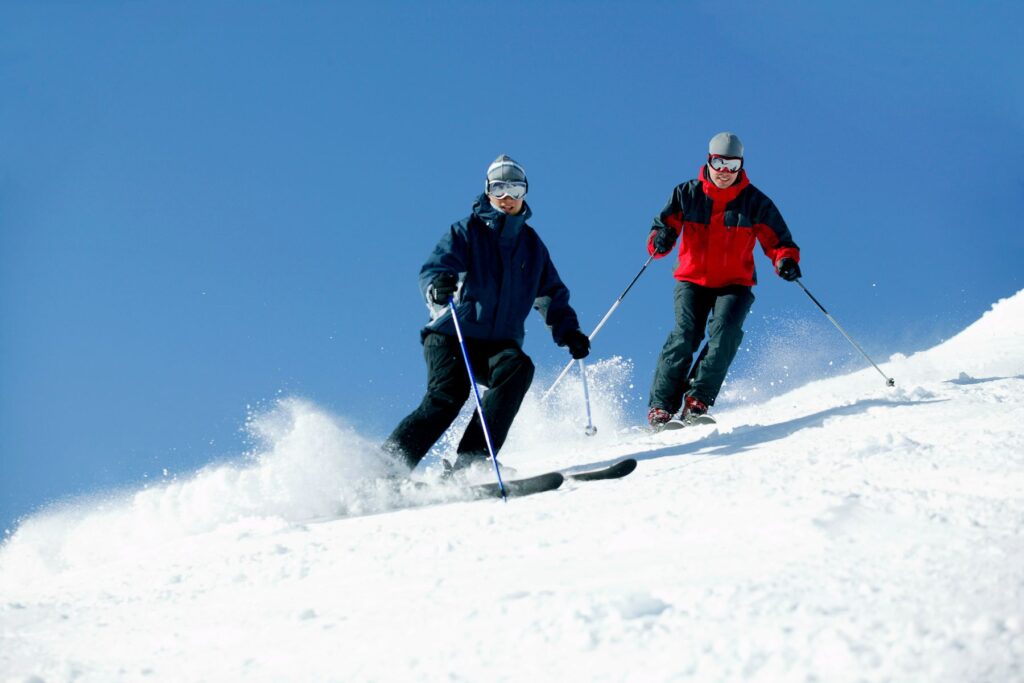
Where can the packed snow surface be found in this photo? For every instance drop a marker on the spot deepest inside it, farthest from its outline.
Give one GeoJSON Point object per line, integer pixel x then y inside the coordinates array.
{"type": "Point", "coordinates": [844, 531]}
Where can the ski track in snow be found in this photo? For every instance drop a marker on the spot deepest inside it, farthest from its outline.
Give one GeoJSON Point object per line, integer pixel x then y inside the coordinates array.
{"type": "Point", "coordinates": [843, 531]}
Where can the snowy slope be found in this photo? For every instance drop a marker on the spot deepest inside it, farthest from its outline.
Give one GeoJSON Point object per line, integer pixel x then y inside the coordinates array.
{"type": "Point", "coordinates": [845, 531]}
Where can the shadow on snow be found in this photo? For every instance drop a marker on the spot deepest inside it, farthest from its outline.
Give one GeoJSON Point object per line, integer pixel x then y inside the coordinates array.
{"type": "Point", "coordinates": [748, 437]}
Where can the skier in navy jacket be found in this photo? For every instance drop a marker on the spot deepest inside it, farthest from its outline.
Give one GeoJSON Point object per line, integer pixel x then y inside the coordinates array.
{"type": "Point", "coordinates": [496, 268]}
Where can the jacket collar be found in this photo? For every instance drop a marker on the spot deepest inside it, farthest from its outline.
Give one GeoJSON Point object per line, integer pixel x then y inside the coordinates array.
{"type": "Point", "coordinates": [719, 195]}
{"type": "Point", "coordinates": [496, 220]}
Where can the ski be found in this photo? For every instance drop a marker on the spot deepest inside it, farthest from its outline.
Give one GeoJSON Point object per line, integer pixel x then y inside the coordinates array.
{"type": "Point", "coordinates": [614, 471]}
{"type": "Point", "coordinates": [550, 481]}
{"type": "Point", "coordinates": [517, 488]}
{"type": "Point", "coordinates": [690, 421]}
{"type": "Point", "coordinates": [527, 486]}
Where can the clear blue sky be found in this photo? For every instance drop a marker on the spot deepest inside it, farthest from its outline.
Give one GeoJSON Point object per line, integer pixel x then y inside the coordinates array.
{"type": "Point", "coordinates": [204, 206]}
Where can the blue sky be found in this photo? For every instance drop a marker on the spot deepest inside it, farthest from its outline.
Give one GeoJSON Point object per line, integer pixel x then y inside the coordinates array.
{"type": "Point", "coordinates": [206, 206]}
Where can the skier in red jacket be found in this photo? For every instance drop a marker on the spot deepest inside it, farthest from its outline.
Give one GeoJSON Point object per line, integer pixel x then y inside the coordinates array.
{"type": "Point", "coordinates": [716, 219]}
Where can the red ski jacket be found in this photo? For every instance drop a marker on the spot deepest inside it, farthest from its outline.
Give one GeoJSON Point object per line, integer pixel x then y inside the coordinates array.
{"type": "Point", "coordinates": [718, 230]}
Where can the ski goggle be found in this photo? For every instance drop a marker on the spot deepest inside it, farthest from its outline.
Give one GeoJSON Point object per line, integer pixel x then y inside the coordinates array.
{"type": "Point", "coordinates": [506, 188]}
{"type": "Point", "coordinates": [725, 164]}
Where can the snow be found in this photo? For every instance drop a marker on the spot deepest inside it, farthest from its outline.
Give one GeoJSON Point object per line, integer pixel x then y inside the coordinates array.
{"type": "Point", "coordinates": [843, 531]}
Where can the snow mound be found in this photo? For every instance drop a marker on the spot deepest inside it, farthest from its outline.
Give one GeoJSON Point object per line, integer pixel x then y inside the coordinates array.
{"type": "Point", "coordinates": [991, 346]}
{"type": "Point", "coordinates": [308, 465]}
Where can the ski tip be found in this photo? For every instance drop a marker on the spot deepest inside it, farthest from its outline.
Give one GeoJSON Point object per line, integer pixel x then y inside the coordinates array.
{"type": "Point", "coordinates": [614, 471]}
{"type": "Point", "coordinates": [627, 465]}
{"type": "Point", "coordinates": [538, 484]}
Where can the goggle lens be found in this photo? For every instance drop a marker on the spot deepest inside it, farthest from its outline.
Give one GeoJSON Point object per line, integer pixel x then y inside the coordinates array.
{"type": "Point", "coordinates": [505, 188]}
{"type": "Point", "coordinates": [725, 164]}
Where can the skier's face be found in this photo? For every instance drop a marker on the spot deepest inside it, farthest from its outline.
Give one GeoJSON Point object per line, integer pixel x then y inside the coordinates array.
{"type": "Point", "coordinates": [506, 204]}
{"type": "Point", "coordinates": [722, 179]}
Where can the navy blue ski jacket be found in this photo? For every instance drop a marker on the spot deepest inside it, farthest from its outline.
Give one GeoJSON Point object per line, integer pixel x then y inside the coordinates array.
{"type": "Point", "coordinates": [504, 270]}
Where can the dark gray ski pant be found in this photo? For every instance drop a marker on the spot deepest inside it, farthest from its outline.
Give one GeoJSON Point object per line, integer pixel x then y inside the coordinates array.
{"type": "Point", "coordinates": [674, 377]}
{"type": "Point", "coordinates": [500, 365]}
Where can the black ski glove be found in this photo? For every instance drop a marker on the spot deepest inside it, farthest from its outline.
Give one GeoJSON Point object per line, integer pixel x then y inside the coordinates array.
{"type": "Point", "coordinates": [788, 269]}
{"type": "Point", "coordinates": [442, 287]}
{"type": "Point", "coordinates": [664, 240]}
{"type": "Point", "coordinates": [578, 343]}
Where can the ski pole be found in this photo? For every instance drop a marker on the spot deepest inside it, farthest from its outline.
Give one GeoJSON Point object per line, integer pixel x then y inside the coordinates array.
{"type": "Point", "coordinates": [889, 381]}
{"type": "Point", "coordinates": [591, 429]}
{"type": "Point", "coordinates": [476, 395]}
{"type": "Point", "coordinates": [600, 324]}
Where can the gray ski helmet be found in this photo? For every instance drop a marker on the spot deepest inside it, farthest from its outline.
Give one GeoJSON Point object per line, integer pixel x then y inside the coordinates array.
{"type": "Point", "coordinates": [726, 145]}
{"type": "Point", "coordinates": [505, 168]}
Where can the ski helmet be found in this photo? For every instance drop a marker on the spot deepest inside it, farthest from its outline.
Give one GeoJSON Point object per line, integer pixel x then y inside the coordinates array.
{"type": "Point", "coordinates": [505, 168]}
{"type": "Point", "coordinates": [726, 145]}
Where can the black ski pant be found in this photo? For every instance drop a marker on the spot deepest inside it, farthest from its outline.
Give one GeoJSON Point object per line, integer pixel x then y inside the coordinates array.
{"type": "Point", "coordinates": [500, 365]}
{"type": "Point", "coordinates": [674, 376]}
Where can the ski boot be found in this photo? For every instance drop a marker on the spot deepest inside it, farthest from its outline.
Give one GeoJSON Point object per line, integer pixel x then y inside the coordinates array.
{"type": "Point", "coordinates": [657, 418]}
